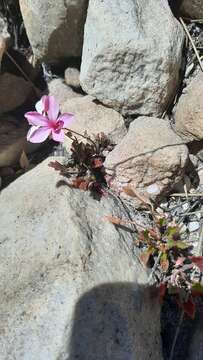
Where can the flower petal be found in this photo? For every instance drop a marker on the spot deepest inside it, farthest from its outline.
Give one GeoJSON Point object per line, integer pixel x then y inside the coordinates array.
{"type": "Point", "coordinates": [53, 109]}
{"type": "Point", "coordinates": [58, 135]}
{"type": "Point", "coordinates": [43, 104]}
{"type": "Point", "coordinates": [36, 119]}
{"type": "Point", "coordinates": [67, 119]}
{"type": "Point", "coordinates": [38, 134]}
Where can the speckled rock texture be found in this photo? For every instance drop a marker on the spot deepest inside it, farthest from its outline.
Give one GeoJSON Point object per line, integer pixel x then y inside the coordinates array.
{"type": "Point", "coordinates": [151, 158]}
{"type": "Point", "coordinates": [189, 112]}
{"type": "Point", "coordinates": [54, 28]}
{"type": "Point", "coordinates": [71, 286]}
{"type": "Point", "coordinates": [132, 55]}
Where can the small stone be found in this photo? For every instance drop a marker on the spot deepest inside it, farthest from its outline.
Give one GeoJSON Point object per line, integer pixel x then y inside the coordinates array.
{"type": "Point", "coordinates": [153, 189]}
{"type": "Point", "coordinates": [185, 207]}
{"type": "Point", "coordinates": [193, 226]}
{"type": "Point", "coordinates": [61, 91]}
{"type": "Point", "coordinates": [72, 77]}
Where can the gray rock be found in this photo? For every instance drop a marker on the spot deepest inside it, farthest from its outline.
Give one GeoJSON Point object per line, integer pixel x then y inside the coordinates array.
{"type": "Point", "coordinates": [196, 346]}
{"type": "Point", "coordinates": [132, 55]}
{"type": "Point", "coordinates": [192, 8]}
{"type": "Point", "coordinates": [93, 118]}
{"type": "Point", "coordinates": [14, 90]}
{"type": "Point", "coordinates": [189, 111]}
{"type": "Point", "coordinates": [150, 158]}
{"type": "Point", "coordinates": [70, 284]}
{"type": "Point", "coordinates": [54, 28]}
{"type": "Point", "coordinates": [4, 29]}
{"type": "Point", "coordinates": [72, 77]}
{"type": "Point", "coordinates": [193, 226]}
{"type": "Point", "coordinates": [61, 91]}
{"type": "Point", "coordinates": [13, 140]}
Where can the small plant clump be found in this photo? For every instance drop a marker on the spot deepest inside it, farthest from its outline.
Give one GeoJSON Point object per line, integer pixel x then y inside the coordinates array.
{"type": "Point", "coordinates": [175, 270]}
{"type": "Point", "coordinates": [85, 168]}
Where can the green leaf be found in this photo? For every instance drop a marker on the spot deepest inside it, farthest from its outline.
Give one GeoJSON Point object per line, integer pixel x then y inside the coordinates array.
{"type": "Point", "coordinates": [179, 244]}
{"type": "Point", "coordinates": [197, 287]}
{"type": "Point", "coordinates": [162, 222]}
{"type": "Point", "coordinates": [171, 230]}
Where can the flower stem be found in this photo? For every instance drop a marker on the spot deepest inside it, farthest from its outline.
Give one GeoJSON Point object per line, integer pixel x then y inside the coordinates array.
{"type": "Point", "coordinates": [83, 136]}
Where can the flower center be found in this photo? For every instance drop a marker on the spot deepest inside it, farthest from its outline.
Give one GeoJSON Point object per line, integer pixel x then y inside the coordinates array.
{"type": "Point", "coordinates": [57, 125]}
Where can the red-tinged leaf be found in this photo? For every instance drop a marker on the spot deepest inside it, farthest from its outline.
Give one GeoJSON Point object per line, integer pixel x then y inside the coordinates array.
{"type": "Point", "coordinates": [56, 165]}
{"type": "Point", "coordinates": [198, 261]}
{"type": "Point", "coordinates": [132, 192]}
{"type": "Point", "coordinates": [153, 233]}
{"type": "Point", "coordinates": [145, 256]}
{"type": "Point", "coordinates": [179, 261]}
{"type": "Point", "coordinates": [114, 220]}
{"type": "Point", "coordinates": [162, 291]}
{"type": "Point", "coordinates": [24, 162]}
{"type": "Point", "coordinates": [80, 183]}
{"type": "Point", "coordinates": [188, 307]}
{"type": "Point", "coordinates": [129, 191]}
{"type": "Point", "coordinates": [144, 235]}
{"type": "Point", "coordinates": [164, 262]}
{"type": "Point", "coordinates": [97, 163]}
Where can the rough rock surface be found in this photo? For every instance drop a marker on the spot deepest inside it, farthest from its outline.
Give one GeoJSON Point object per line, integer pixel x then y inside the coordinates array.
{"type": "Point", "coordinates": [93, 117]}
{"type": "Point", "coordinates": [131, 59]}
{"type": "Point", "coordinates": [4, 29]}
{"type": "Point", "coordinates": [151, 158]}
{"type": "Point", "coordinates": [189, 112]}
{"type": "Point", "coordinates": [54, 28]}
{"type": "Point", "coordinates": [196, 346]}
{"type": "Point", "coordinates": [72, 77]}
{"type": "Point", "coordinates": [192, 8]}
{"type": "Point", "coordinates": [13, 140]}
{"type": "Point", "coordinates": [69, 280]}
{"type": "Point", "coordinates": [14, 90]}
{"type": "Point", "coordinates": [61, 91]}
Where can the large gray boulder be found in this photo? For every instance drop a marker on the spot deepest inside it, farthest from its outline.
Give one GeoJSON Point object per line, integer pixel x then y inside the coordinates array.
{"type": "Point", "coordinates": [54, 28]}
{"type": "Point", "coordinates": [132, 55]}
{"type": "Point", "coordinates": [71, 286]}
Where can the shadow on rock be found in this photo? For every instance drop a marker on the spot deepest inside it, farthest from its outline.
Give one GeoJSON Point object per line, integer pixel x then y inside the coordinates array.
{"type": "Point", "coordinates": [118, 321]}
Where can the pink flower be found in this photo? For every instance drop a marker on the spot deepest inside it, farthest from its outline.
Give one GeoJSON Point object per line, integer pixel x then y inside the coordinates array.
{"type": "Point", "coordinates": [46, 121]}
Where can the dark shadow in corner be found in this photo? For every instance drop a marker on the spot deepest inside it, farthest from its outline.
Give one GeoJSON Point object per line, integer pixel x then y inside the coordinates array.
{"type": "Point", "coordinates": [108, 325]}
{"type": "Point", "coordinates": [175, 6]}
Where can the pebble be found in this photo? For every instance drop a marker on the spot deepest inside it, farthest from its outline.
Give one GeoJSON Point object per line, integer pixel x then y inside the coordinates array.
{"type": "Point", "coordinates": [185, 207]}
{"type": "Point", "coordinates": [193, 226]}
